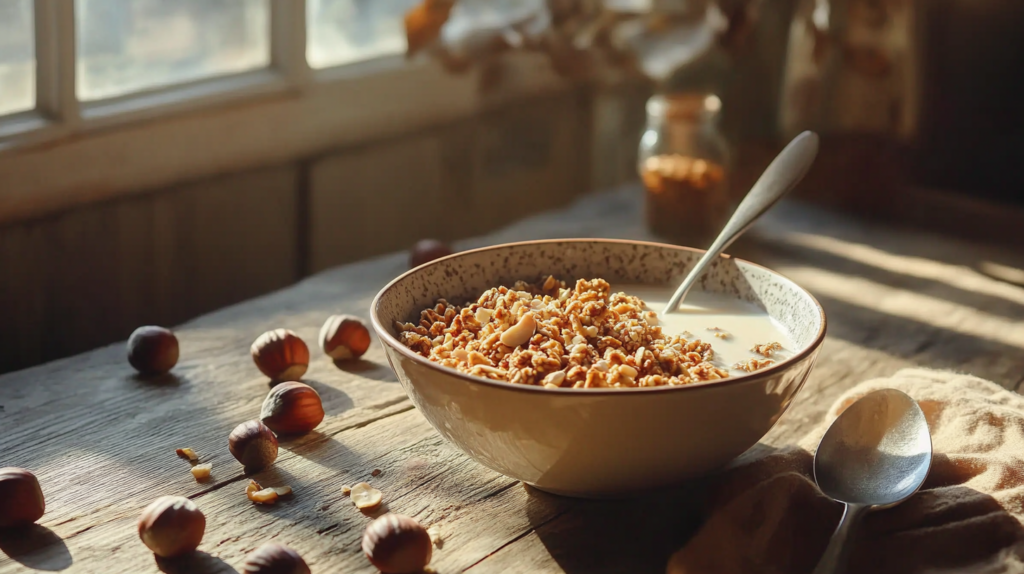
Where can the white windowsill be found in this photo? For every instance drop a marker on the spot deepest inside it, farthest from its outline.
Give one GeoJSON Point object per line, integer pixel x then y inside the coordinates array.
{"type": "Point", "coordinates": [147, 141]}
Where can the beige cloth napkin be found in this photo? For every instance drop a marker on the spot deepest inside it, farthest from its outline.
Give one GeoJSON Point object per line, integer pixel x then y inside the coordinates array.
{"type": "Point", "coordinates": [766, 515]}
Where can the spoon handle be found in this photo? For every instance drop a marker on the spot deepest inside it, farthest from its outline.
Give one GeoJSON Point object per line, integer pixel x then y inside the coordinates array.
{"type": "Point", "coordinates": [834, 560]}
{"type": "Point", "coordinates": [785, 171]}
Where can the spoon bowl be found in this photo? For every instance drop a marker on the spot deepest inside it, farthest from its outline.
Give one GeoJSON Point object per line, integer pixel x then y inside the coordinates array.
{"type": "Point", "coordinates": [876, 454]}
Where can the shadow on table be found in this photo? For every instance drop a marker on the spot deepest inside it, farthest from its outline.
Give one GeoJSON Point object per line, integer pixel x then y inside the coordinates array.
{"type": "Point", "coordinates": [335, 401]}
{"type": "Point", "coordinates": [162, 380]}
{"type": "Point", "coordinates": [36, 547]}
{"type": "Point", "coordinates": [326, 451]}
{"type": "Point", "coordinates": [368, 370]}
{"type": "Point", "coordinates": [613, 536]}
{"type": "Point", "coordinates": [196, 563]}
{"type": "Point", "coordinates": [777, 248]}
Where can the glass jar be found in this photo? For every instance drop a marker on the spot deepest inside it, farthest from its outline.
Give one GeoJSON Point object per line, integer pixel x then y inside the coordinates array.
{"type": "Point", "coordinates": [684, 163]}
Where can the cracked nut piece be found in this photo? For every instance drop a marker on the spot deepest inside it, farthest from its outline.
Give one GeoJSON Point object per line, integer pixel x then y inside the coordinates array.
{"type": "Point", "coordinates": [172, 526]}
{"type": "Point", "coordinates": [281, 355]}
{"type": "Point", "coordinates": [520, 333]}
{"type": "Point", "coordinates": [152, 350]}
{"type": "Point", "coordinates": [256, 493]}
{"type": "Point", "coordinates": [265, 496]}
{"type": "Point", "coordinates": [436, 536]}
{"type": "Point", "coordinates": [187, 453]}
{"type": "Point", "coordinates": [397, 544]}
{"type": "Point", "coordinates": [253, 444]}
{"type": "Point", "coordinates": [21, 499]}
{"type": "Point", "coordinates": [274, 558]}
{"type": "Point", "coordinates": [252, 487]}
{"type": "Point", "coordinates": [365, 496]}
{"type": "Point", "coordinates": [292, 408]}
{"type": "Point", "coordinates": [344, 337]}
{"type": "Point", "coordinates": [201, 472]}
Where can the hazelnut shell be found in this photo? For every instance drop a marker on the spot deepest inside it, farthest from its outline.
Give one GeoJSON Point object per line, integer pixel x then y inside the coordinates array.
{"type": "Point", "coordinates": [427, 250]}
{"type": "Point", "coordinates": [274, 558]}
{"type": "Point", "coordinates": [172, 526]}
{"type": "Point", "coordinates": [152, 350]}
{"type": "Point", "coordinates": [21, 498]}
{"type": "Point", "coordinates": [397, 544]}
{"type": "Point", "coordinates": [281, 355]}
{"type": "Point", "coordinates": [292, 408]}
{"type": "Point", "coordinates": [253, 444]}
{"type": "Point", "coordinates": [344, 337]}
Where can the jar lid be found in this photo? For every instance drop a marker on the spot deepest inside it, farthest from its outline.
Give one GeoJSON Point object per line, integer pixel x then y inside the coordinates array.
{"type": "Point", "coordinates": [684, 105]}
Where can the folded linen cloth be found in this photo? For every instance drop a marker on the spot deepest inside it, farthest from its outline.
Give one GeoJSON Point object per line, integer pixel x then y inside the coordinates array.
{"type": "Point", "coordinates": [765, 514]}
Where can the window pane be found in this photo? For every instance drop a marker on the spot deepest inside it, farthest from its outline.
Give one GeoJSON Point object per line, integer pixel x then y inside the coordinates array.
{"type": "Point", "coordinates": [126, 46]}
{"type": "Point", "coordinates": [17, 57]}
{"type": "Point", "coordinates": [343, 31]}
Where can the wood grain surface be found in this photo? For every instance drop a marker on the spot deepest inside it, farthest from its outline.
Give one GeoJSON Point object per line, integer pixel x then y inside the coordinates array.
{"type": "Point", "coordinates": [102, 440]}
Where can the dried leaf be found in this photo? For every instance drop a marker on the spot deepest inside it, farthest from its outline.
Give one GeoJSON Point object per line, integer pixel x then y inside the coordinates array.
{"type": "Point", "coordinates": [423, 23]}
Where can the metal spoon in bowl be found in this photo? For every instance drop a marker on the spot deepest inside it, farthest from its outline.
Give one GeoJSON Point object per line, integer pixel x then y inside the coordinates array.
{"type": "Point", "coordinates": [785, 171]}
{"type": "Point", "coordinates": [875, 455]}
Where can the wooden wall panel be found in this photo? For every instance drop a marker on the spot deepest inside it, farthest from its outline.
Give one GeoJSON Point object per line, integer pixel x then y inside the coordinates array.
{"type": "Point", "coordinates": [458, 181]}
{"type": "Point", "coordinates": [89, 277]}
{"type": "Point", "coordinates": [531, 157]}
{"type": "Point", "coordinates": [222, 241]}
{"type": "Point", "coordinates": [375, 200]}
{"type": "Point", "coordinates": [23, 297]}
{"type": "Point", "coordinates": [98, 263]}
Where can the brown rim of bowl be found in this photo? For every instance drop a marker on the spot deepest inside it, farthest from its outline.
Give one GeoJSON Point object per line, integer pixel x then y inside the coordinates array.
{"type": "Point", "coordinates": [385, 334]}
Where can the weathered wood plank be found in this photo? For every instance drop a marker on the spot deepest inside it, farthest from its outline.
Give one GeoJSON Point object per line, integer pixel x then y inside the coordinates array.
{"type": "Point", "coordinates": [102, 440]}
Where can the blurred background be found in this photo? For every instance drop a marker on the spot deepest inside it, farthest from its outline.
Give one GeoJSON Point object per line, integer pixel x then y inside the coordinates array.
{"type": "Point", "coordinates": [160, 159]}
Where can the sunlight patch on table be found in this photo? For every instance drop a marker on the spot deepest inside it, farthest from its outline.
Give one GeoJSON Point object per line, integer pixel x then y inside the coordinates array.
{"type": "Point", "coordinates": [918, 307]}
{"type": "Point", "coordinates": [956, 275]}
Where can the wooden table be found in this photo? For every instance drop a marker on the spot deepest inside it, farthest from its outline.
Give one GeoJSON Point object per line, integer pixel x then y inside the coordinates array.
{"type": "Point", "coordinates": [102, 440]}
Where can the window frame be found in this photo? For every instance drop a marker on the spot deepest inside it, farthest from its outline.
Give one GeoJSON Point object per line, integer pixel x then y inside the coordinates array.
{"type": "Point", "coordinates": [285, 112]}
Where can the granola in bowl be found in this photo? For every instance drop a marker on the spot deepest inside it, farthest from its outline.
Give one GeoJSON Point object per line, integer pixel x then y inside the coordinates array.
{"type": "Point", "coordinates": [555, 336]}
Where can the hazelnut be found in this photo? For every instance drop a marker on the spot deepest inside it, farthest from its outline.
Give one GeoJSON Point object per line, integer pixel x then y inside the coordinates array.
{"type": "Point", "coordinates": [344, 337]}
{"type": "Point", "coordinates": [274, 559]}
{"type": "Point", "coordinates": [21, 499]}
{"type": "Point", "coordinates": [172, 526]}
{"type": "Point", "coordinates": [428, 250]}
{"type": "Point", "coordinates": [292, 408]}
{"type": "Point", "coordinates": [152, 350]}
{"type": "Point", "coordinates": [253, 444]}
{"type": "Point", "coordinates": [397, 544]}
{"type": "Point", "coordinates": [281, 355]}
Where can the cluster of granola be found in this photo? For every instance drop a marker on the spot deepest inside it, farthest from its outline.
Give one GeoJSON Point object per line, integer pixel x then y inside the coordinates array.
{"type": "Point", "coordinates": [766, 350]}
{"type": "Point", "coordinates": [751, 365]}
{"type": "Point", "coordinates": [548, 334]}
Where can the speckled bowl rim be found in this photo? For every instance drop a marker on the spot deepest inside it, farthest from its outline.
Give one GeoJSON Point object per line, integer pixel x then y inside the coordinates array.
{"type": "Point", "coordinates": [768, 372]}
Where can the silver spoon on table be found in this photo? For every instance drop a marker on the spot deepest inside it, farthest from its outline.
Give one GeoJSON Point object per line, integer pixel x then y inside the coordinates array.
{"type": "Point", "coordinates": [785, 171]}
{"type": "Point", "coordinates": [875, 455]}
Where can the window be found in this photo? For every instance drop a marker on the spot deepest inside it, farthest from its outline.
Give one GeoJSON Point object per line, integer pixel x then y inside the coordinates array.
{"type": "Point", "coordinates": [17, 57]}
{"type": "Point", "coordinates": [127, 46]}
{"type": "Point", "coordinates": [345, 31]}
{"type": "Point", "coordinates": [82, 81]}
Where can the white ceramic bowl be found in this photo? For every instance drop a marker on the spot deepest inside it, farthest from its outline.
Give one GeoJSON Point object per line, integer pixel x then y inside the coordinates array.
{"type": "Point", "coordinates": [598, 442]}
